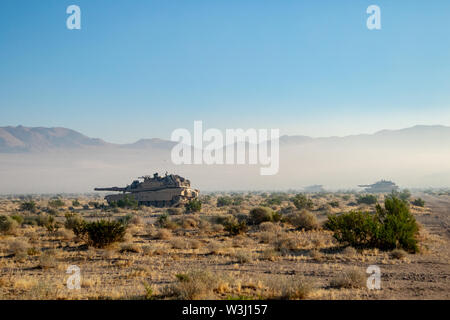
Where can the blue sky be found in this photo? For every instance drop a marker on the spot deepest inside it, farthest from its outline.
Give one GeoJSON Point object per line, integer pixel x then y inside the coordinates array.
{"type": "Point", "coordinates": [140, 69]}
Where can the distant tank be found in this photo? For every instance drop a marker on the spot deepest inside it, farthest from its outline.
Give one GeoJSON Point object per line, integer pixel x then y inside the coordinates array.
{"type": "Point", "coordinates": [382, 186]}
{"type": "Point", "coordinates": [170, 190]}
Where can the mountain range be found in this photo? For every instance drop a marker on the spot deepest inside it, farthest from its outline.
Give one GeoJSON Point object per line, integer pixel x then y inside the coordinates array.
{"type": "Point", "coordinates": [55, 160]}
{"type": "Point", "coordinates": [22, 139]}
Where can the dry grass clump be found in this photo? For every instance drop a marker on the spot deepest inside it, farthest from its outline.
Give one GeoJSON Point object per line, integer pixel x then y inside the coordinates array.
{"type": "Point", "coordinates": [195, 244]}
{"type": "Point", "coordinates": [47, 259]}
{"type": "Point", "coordinates": [64, 234]}
{"type": "Point", "coordinates": [269, 254]}
{"type": "Point", "coordinates": [290, 288]}
{"type": "Point", "coordinates": [269, 227]}
{"type": "Point", "coordinates": [286, 242]}
{"type": "Point", "coordinates": [163, 234]}
{"type": "Point", "coordinates": [353, 278]}
{"type": "Point", "coordinates": [194, 285]}
{"type": "Point", "coordinates": [267, 237]}
{"type": "Point", "coordinates": [215, 247]}
{"type": "Point", "coordinates": [189, 223]}
{"type": "Point", "coordinates": [398, 254]}
{"type": "Point", "coordinates": [349, 252]}
{"type": "Point", "coordinates": [180, 243]}
{"type": "Point", "coordinates": [243, 256]}
{"type": "Point", "coordinates": [18, 247]}
{"type": "Point", "coordinates": [130, 247]}
{"type": "Point", "coordinates": [303, 220]}
{"type": "Point", "coordinates": [316, 255]}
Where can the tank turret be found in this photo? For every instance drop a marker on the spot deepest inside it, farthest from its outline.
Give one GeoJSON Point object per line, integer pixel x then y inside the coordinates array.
{"type": "Point", "coordinates": [169, 190]}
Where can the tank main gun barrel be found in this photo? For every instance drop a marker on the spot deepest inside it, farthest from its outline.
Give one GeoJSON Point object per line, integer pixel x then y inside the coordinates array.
{"type": "Point", "coordinates": [110, 189]}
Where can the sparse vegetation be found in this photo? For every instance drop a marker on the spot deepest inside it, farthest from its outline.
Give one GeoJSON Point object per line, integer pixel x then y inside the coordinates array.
{"type": "Point", "coordinates": [391, 227]}
{"type": "Point", "coordinates": [193, 205]}
{"type": "Point", "coordinates": [302, 202]}
{"type": "Point", "coordinates": [419, 202]}
{"type": "Point", "coordinates": [303, 220]}
{"type": "Point", "coordinates": [367, 199]}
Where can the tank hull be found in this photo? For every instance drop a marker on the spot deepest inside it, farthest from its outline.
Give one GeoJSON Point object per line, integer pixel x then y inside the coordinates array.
{"type": "Point", "coordinates": [169, 197]}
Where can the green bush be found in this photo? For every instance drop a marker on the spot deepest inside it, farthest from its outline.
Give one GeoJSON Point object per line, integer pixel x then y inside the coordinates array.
{"type": "Point", "coordinates": [7, 224]}
{"type": "Point", "coordinates": [127, 202]}
{"type": "Point", "coordinates": [261, 214]}
{"type": "Point", "coordinates": [419, 202]}
{"type": "Point", "coordinates": [28, 206]}
{"type": "Point", "coordinates": [76, 203]}
{"type": "Point", "coordinates": [234, 226]}
{"type": "Point", "coordinates": [75, 223]}
{"type": "Point", "coordinates": [102, 233]}
{"type": "Point", "coordinates": [367, 199]}
{"type": "Point", "coordinates": [224, 201]}
{"type": "Point", "coordinates": [19, 219]}
{"type": "Point", "coordinates": [273, 201]}
{"type": "Point", "coordinates": [302, 202]}
{"type": "Point", "coordinates": [193, 205]}
{"type": "Point", "coordinates": [389, 228]}
{"type": "Point", "coordinates": [57, 203]}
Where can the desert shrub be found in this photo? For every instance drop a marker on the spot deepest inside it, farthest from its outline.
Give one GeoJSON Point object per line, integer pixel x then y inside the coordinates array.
{"type": "Point", "coordinates": [127, 202]}
{"type": "Point", "coordinates": [75, 223]}
{"type": "Point", "coordinates": [19, 247]}
{"type": "Point", "coordinates": [391, 227]}
{"type": "Point", "coordinates": [102, 233]}
{"type": "Point", "coordinates": [419, 202]}
{"type": "Point", "coordinates": [7, 224]}
{"type": "Point", "coordinates": [130, 247]}
{"type": "Point", "coordinates": [269, 254]}
{"type": "Point", "coordinates": [194, 285]}
{"type": "Point", "coordinates": [243, 256]}
{"type": "Point", "coordinates": [404, 195]}
{"type": "Point", "coordinates": [163, 234]}
{"type": "Point", "coordinates": [76, 203]}
{"type": "Point", "coordinates": [164, 221]}
{"type": "Point", "coordinates": [18, 218]}
{"type": "Point", "coordinates": [261, 214]}
{"type": "Point", "coordinates": [126, 219]}
{"type": "Point", "coordinates": [273, 201]}
{"type": "Point", "coordinates": [56, 203]}
{"type": "Point", "coordinates": [234, 226]}
{"type": "Point", "coordinates": [367, 199]}
{"type": "Point", "coordinates": [398, 254]}
{"type": "Point", "coordinates": [99, 233]}
{"type": "Point", "coordinates": [224, 201]}
{"type": "Point", "coordinates": [356, 228]}
{"type": "Point", "coordinates": [334, 204]}
{"type": "Point", "coordinates": [303, 220]}
{"type": "Point", "coordinates": [47, 259]}
{"type": "Point", "coordinates": [269, 227]}
{"type": "Point", "coordinates": [399, 227]}
{"type": "Point", "coordinates": [237, 200]}
{"type": "Point", "coordinates": [189, 223]}
{"type": "Point", "coordinates": [285, 243]}
{"type": "Point", "coordinates": [291, 288]}
{"type": "Point", "coordinates": [28, 206]}
{"type": "Point", "coordinates": [302, 202]}
{"type": "Point", "coordinates": [353, 278]}
{"type": "Point", "coordinates": [193, 205]}
{"type": "Point", "coordinates": [179, 243]}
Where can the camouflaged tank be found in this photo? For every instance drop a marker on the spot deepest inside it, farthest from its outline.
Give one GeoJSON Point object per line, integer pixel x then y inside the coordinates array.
{"type": "Point", "coordinates": [170, 190]}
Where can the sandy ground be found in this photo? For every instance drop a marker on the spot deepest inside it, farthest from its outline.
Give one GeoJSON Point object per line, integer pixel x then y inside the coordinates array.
{"type": "Point", "coordinates": [240, 262]}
